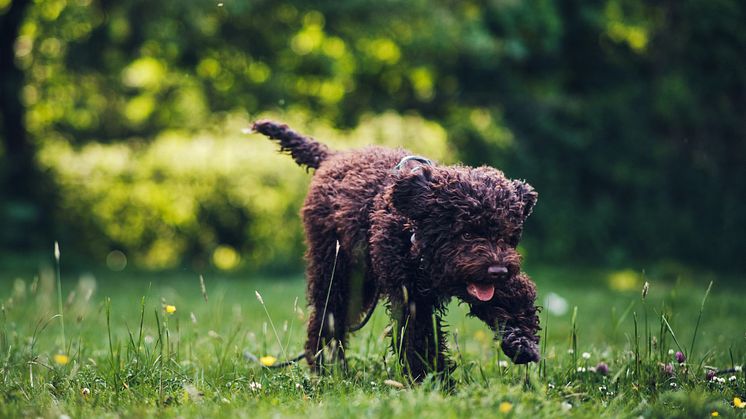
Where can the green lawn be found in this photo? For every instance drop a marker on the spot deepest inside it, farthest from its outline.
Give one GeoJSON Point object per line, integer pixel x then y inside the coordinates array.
{"type": "Point", "coordinates": [194, 363]}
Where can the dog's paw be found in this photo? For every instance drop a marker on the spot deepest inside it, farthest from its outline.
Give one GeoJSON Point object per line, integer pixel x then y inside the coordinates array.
{"type": "Point", "coordinates": [520, 349]}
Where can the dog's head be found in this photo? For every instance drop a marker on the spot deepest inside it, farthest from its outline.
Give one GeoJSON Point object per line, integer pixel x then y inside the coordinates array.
{"type": "Point", "coordinates": [467, 223]}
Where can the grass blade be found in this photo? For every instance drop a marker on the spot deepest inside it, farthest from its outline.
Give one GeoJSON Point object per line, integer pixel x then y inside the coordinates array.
{"type": "Point", "coordinates": [699, 318]}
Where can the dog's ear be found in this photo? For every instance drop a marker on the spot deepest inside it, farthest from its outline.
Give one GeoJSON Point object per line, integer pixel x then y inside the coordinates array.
{"type": "Point", "coordinates": [527, 196]}
{"type": "Point", "coordinates": [412, 190]}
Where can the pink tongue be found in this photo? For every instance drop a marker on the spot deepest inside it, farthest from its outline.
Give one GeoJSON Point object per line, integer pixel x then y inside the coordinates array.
{"type": "Point", "coordinates": [482, 292]}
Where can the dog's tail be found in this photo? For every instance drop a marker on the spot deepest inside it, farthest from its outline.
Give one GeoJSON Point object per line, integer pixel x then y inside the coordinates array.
{"type": "Point", "coordinates": [305, 151]}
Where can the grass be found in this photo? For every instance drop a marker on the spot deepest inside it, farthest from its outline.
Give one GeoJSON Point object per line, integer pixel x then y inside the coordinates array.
{"type": "Point", "coordinates": [124, 354]}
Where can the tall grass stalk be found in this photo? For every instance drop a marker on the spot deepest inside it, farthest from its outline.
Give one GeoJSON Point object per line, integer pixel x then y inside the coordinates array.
{"type": "Point", "coordinates": [114, 363]}
{"type": "Point", "coordinates": [271, 323]}
{"type": "Point", "coordinates": [59, 293]}
{"type": "Point", "coordinates": [670, 330]}
{"type": "Point", "coordinates": [574, 340]}
{"type": "Point", "coordinates": [699, 319]}
{"type": "Point", "coordinates": [637, 348]}
{"type": "Point", "coordinates": [543, 365]}
{"type": "Point", "coordinates": [328, 294]}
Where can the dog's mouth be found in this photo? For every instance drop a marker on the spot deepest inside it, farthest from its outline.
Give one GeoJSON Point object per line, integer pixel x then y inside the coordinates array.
{"type": "Point", "coordinates": [482, 292]}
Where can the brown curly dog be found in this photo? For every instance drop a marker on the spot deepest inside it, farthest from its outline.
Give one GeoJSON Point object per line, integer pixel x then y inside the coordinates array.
{"type": "Point", "coordinates": [380, 223]}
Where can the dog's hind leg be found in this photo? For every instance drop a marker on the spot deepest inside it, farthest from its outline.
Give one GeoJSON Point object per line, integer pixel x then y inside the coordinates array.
{"type": "Point", "coordinates": [328, 292]}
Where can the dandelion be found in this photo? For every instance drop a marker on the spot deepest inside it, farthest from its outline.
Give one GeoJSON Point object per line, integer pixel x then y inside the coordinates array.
{"type": "Point", "coordinates": [170, 309]}
{"type": "Point", "coordinates": [505, 407]}
{"type": "Point", "coordinates": [602, 368]}
{"type": "Point", "coordinates": [714, 413]}
{"type": "Point", "coordinates": [586, 355]}
{"type": "Point", "coordinates": [61, 359]}
{"type": "Point", "coordinates": [268, 360]}
{"type": "Point", "coordinates": [254, 386]}
{"type": "Point", "coordinates": [738, 403]}
{"type": "Point", "coordinates": [680, 357]}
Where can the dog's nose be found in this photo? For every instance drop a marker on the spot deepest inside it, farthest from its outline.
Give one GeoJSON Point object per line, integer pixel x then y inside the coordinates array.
{"type": "Point", "coordinates": [497, 271]}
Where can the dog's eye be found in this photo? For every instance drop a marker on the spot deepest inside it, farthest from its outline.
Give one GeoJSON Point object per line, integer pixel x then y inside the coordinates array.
{"type": "Point", "coordinates": [467, 236]}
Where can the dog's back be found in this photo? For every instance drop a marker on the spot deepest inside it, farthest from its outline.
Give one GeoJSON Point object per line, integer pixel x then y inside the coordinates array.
{"type": "Point", "coordinates": [343, 191]}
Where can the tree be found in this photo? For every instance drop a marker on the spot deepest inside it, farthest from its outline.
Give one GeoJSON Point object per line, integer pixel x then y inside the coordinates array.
{"type": "Point", "coordinates": [22, 206]}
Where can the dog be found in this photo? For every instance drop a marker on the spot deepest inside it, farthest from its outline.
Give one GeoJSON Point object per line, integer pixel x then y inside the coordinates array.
{"type": "Point", "coordinates": [381, 223]}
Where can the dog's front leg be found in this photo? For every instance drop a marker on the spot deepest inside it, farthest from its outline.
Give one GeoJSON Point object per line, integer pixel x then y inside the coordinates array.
{"type": "Point", "coordinates": [418, 337]}
{"type": "Point", "coordinates": [512, 315]}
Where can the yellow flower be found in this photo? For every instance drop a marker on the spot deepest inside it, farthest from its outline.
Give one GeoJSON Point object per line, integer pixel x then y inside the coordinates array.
{"type": "Point", "coordinates": [737, 402]}
{"type": "Point", "coordinates": [61, 359]}
{"type": "Point", "coordinates": [268, 360]}
{"type": "Point", "coordinates": [170, 309]}
{"type": "Point", "coordinates": [505, 407]}
{"type": "Point", "coordinates": [714, 413]}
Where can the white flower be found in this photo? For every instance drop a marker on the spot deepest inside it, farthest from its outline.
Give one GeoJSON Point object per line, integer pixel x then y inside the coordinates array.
{"type": "Point", "coordinates": [602, 388]}
{"type": "Point", "coordinates": [566, 406]}
{"type": "Point", "coordinates": [732, 378]}
{"type": "Point", "coordinates": [502, 364]}
{"type": "Point", "coordinates": [581, 369]}
{"type": "Point", "coordinates": [570, 351]}
{"type": "Point", "coordinates": [254, 386]}
{"type": "Point", "coordinates": [673, 385]}
{"type": "Point", "coordinates": [586, 355]}
{"type": "Point", "coordinates": [550, 386]}
{"type": "Point", "coordinates": [670, 352]}
{"type": "Point", "coordinates": [297, 385]}
{"type": "Point", "coordinates": [737, 368]}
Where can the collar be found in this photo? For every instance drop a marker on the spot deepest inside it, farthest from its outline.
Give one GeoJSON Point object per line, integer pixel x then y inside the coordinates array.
{"type": "Point", "coordinates": [406, 159]}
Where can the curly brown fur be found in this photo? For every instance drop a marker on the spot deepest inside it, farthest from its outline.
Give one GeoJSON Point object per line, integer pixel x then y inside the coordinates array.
{"type": "Point", "coordinates": [416, 235]}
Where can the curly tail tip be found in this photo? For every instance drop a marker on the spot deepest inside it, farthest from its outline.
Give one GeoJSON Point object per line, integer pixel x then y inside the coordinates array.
{"type": "Point", "coordinates": [305, 150]}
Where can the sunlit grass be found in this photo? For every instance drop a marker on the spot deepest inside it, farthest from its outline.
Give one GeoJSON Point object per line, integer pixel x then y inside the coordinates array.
{"type": "Point", "coordinates": [145, 344]}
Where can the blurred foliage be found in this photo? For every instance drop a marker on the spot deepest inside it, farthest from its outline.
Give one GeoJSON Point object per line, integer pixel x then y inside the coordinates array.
{"type": "Point", "coordinates": [627, 116]}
